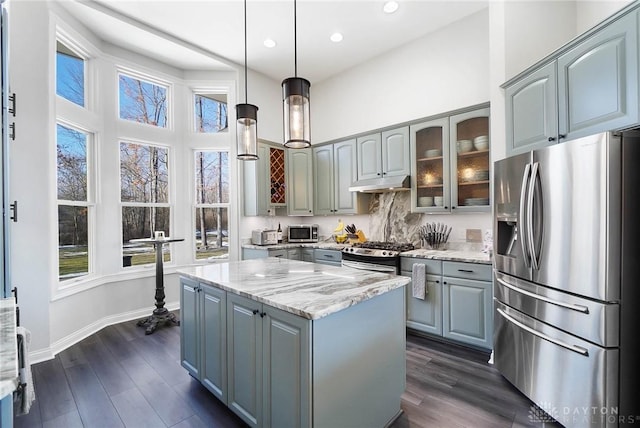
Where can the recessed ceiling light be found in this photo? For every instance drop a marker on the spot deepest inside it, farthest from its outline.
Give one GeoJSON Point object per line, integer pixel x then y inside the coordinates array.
{"type": "Point", "coordinates": [336, 37]}
{"type": "Point", "coordinates": [390, 7]}
{"type": "Point", "coordinates": [270, 43]}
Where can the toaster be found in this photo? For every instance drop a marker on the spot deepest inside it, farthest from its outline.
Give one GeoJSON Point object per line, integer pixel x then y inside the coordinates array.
{"type": "Point", "coordinates": [264, 237]}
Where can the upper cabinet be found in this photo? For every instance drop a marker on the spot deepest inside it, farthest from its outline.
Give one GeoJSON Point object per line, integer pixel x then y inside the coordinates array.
{"type": "Point", "coordinates": [383, 154]}
{"type": "Point", "coordinates": [300, 182]}
{"type": "Point", "coordinates": [450, 163]}
{"type": "Point", "coordinates": [334, 171]}
{"type": "Point", "coordinates": [589, 87]}
{"type": "Point", "coordinates": [264, 181]}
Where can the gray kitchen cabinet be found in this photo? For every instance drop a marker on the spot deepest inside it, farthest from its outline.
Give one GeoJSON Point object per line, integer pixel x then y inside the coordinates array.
{"type": "Point", "coordinates": [598, 81]}
{"type": "Point", "coordinates": [589, 86]}
{"type": "Point", "coordinates": [425, 315]}
{"type": "Point", "coordinates": [294, 254]}
{"type": "Point", "coordinates": [269, 364]}
{"type": "Point", "coordinates": [307, 254]}
{"type": "Point", "coordinates": [383, 154]}
{"type": "Point", "coordinates": [300, 182]}
{"type": "Point", "coordinates": [190, 326]}
{"type": "Point", "coordinates": [450, 167]}
{"type": "Point", "coordinates": [335, 170]}
{"type": "Point", "coordinates": [203, 350]}
{"type": "Point", "coordinates": [261, 253]}
{"type": "Point", "coordinates": [328, 257]}
{"type": "Point", "coordinates": [458, 303]}
{"type": "Point", "coordinates": [532, 111]}
{"type": "Point", "coordinates": [264, 181]}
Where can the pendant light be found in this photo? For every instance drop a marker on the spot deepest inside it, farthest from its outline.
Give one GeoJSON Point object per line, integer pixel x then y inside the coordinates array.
{"type": "Point", "coordinates": [295, 93]}
{"type": "Point", "coordinates": [246, 115]}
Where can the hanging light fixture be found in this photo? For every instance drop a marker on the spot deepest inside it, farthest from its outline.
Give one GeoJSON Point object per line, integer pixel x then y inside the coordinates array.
{"type": "Point", "coordinates": [295, 93]}
{"type": "Point", "coordinates": [246, 115]}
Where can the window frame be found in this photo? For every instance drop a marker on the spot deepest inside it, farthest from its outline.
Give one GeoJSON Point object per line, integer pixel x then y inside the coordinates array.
{"type": "Point", "coordinates": [145, 77]}
{"type": "Point", "coordinates": [70, 43]}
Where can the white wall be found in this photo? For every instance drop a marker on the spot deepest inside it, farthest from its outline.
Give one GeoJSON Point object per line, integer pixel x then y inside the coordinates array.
{"type": "Point", "coordinates": [443, 71]}
{"type": "Point", "coordinates": [590, 13]}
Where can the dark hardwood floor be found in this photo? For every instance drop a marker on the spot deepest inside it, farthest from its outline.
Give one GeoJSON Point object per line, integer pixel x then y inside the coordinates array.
{"type": "Point", "coordinates": [120, 377]}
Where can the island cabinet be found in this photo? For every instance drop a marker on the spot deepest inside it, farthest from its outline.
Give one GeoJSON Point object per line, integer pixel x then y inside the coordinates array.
{"type": "Point", "coordinates": [269, 364]}
{"type": "Point", "coordinates": [265, 181]}
{"type": "Point", "coordinates": [450, 168]}
{"type": "Point", "coordinates": [383, 154]}
{"type": "Point", "coordinates": [203, 335]}
{"type": "Point", "coordinates": [458, 302]}
{"type": "Point", "coordinates": [300, 182]}
{"type": "Point", "coordinates": [334, 171]}
{"type": "Point", "coordinates": [588, 86]}
{"type": "Point", "coordinates": [337, 360]}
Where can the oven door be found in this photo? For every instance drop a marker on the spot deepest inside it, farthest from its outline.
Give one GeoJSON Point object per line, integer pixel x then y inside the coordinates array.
{"type": "Point", "coordinates": [377, 264]}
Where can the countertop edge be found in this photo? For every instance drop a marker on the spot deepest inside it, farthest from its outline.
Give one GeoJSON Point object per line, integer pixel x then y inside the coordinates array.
{"type": "Point", "coordinates": [452, 255]}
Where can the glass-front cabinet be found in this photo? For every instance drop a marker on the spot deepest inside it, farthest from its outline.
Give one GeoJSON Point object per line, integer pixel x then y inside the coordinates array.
{"type": "Point", "coordinates": [469, 141]}
{"type": "Point", "coordinates": [450, 163]}
{"type": "Point", "coordinates": [430, 174]}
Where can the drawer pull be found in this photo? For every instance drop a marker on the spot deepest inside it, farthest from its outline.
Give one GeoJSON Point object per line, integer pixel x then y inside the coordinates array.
{"type": "Point", "coordinates": [465, 270]}
{"type": "Point", "coordinates": [577, 308]}
{"type": "Point", "coordinates": [575, 348]}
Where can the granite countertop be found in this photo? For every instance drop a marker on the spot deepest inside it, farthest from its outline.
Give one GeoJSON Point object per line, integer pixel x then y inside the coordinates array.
{"type": "Point", "coordinates": [325, 245]}
{"type": "Point", "coordinates": [8, 347]}
{"type": "Point", "coordinates": [455, 255]}
{"type": "Point", "coordinates": [305, 289]}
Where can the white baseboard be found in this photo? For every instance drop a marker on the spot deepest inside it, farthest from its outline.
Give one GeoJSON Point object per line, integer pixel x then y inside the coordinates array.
{"type": "Point", "coordinates": [75, 337]}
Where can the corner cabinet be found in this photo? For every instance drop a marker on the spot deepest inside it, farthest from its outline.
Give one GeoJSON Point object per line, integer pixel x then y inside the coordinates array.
{"type": "Point", "coordinates": [384, 154]}
{"type": "Point", "coordinates": [590, 87]}
{"type": "Point", "coordinates": [450, 164]}
{"type": "Point", "coordinates": [334, 171]}
{"type": "Point", "coordinates": [265, 181]}
{"type": "Point", "coordinates": [300, 182]}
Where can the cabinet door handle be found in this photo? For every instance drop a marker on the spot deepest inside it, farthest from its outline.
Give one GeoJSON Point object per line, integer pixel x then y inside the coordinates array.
{"type": "Point", "coordinates": [255, 312]}
{"type": "Point", "coordinates": [453, 208]}
{"type": "Point", "coordinates": [444, 282]}
{"type": "Point", "coordinates": [550, 139]}
{"type": "Point", "coordinates": [561, 136]}
{"type": "Point", "coordinates": [446, 208]}
{"type": "Point", "coordinates": [263, 314]}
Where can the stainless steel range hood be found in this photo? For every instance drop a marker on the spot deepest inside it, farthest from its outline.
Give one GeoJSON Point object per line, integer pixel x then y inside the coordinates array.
{"type": "Point", "coordinates": [380, 185]}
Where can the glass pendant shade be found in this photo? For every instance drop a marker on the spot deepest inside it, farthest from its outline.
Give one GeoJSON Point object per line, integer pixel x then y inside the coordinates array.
{"type": "Point", "coordinates": [297, 113]}
{"type": "Point", "coordinates": [247, 131]}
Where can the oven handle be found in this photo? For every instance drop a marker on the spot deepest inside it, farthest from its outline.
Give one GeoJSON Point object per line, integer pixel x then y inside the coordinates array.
{"type": "Point", "coordinates": [575, 348]}
{"type": "Point", "coordinates": [368, 266]}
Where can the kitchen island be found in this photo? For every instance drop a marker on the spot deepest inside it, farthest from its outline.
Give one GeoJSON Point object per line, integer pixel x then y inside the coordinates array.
{"type": "Point", "coordinates": [296, 344]}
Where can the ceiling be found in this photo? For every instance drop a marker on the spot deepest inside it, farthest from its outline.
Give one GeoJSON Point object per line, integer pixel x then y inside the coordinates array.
{"type": "Point", "coordinates": [205, 35]}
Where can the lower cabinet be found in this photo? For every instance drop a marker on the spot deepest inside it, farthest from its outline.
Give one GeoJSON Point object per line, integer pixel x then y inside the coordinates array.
{"type": "Point", "coordinates": [328, 257]}
{"type": "Point", "coordinates": [259, 253]}
{"type": "Point", "coordinates": [458, 303]}
{"type": "Point", "coordinates": [307, 254]}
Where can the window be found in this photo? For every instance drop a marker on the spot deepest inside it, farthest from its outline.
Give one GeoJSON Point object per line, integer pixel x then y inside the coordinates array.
{"type": "Point", "coordinates": [211, 113]}
{"type": "Point", "coordinates": [144, 193]}
{"type": "Point", "coordinates": [69, 74]}
{"type": "Point", "coordinates": [212, 204]}
{"type": "Point", "coordinates": [142, 101]}
{"type": "Point", "coordinates": [73, 202]}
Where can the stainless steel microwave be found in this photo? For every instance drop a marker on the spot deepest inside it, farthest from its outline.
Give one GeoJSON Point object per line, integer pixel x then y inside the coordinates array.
{"type": "Point", "coordinates": [303, 233]}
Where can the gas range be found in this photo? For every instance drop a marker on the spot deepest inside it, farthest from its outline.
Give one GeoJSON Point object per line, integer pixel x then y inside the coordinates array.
{"type": "Point", "coordinates": [375, 255]}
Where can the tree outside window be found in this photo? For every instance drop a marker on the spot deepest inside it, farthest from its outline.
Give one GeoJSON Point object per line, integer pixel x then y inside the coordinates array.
{"type": "Point", "coordinates": [142, 101]}
{"type": "Point", "coordinates": [69, 74]}
{"type": "Point", "coordinates": [144, 193]}
{"type": "Point", "coordinates": [211, 113]}
{"type": "Point", "coordinates": [73, 202]}
{"type": "Point", "coordinates": [212, 204]}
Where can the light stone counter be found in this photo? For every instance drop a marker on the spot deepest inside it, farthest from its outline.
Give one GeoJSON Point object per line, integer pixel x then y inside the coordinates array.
{"type": "Point", "coordinates": [328, 245]}
{"type": "Point", "coordinates": [456, 255]}
{"type": "Point", "coordinates": [305, 289]}
{"type": "Point", "coordinates": [8, 347]}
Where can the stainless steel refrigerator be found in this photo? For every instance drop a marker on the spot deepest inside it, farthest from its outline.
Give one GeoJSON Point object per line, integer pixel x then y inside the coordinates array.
{"type": "Point", "coordinates": [567, 278]}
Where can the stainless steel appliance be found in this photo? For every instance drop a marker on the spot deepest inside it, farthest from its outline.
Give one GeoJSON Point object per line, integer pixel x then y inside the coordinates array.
{"type": "Point", "coordinates": [567, 277]}
{"type": "Point", "coordinates": [264, 237]}
{"type": "Point", "coordinates": [303, 233]}
{"type": "Point", "coordinates": [374, 255]}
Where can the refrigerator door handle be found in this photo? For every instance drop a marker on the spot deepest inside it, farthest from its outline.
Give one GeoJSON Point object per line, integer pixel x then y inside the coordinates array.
{"type": "Point", "coordinates": [574, 348]}
{"type": "Point", "coordinates": [521, 220]}
{"type": "Point", "coordinates": [531, 244]}
{"type": "Point", "coordinates": [577, 308]}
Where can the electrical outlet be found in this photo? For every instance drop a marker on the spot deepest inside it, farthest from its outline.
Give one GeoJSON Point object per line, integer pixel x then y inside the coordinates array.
{"type": "Point", "coordinates": [474, 235]}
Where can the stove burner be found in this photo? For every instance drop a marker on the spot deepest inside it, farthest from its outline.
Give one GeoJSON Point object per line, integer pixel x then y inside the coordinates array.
{"type": "Point", "coordinates": [393, 246]}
